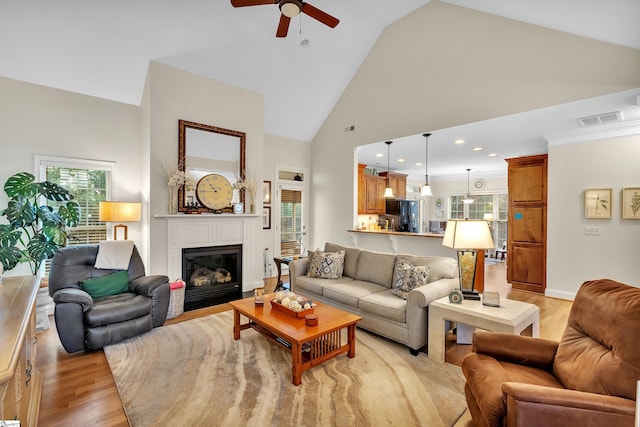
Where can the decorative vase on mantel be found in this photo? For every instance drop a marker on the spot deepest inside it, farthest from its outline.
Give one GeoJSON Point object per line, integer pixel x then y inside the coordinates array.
{"type": "Point", "coordinates": [249, 202]}
{"type": "Point", "coordinates": [173, 200]}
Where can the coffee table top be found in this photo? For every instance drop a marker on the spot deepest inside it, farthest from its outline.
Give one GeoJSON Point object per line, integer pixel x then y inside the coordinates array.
{"type": "Point", "coordinates": [329, 319]}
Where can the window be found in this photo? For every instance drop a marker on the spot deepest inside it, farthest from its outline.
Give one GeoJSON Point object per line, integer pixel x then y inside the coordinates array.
{"type": "Point", "coordinates": [494, 204]}
{"type": "Point", "coordinates": [90, 183]}
{"type": "Point", "coordinates": [290, 222]}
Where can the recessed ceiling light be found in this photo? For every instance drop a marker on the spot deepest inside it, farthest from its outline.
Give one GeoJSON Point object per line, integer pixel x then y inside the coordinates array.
{"type": "Point", "coordinates": [459, 141]}
{"type": "Point", "coordinates": [379, 155]}
{"type": "Point", "coordinates": [493, 155]}
{"type": "Point", "coordinates": [477, 148]}
{"type": "Point", "coordinates": [418, 164]}
{"type": "Point", "coordinates": [401, 160]}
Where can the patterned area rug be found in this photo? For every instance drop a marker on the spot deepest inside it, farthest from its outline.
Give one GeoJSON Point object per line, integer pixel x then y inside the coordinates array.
{"type": "Point", "coordinates": [193, 373]}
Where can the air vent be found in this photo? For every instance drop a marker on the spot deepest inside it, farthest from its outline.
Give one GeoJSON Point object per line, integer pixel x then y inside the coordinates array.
{"type": "Point", "coordinates": [601, 119]}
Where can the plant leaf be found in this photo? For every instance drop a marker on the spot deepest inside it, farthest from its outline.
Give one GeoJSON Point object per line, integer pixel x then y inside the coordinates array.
{"type": "Point", "coordinates": [20, 212]}
{"type": "Point", "coordinates": [9, 257]}
{"type": "Point", "coordinates": [9, 236]}
{"type": "Point", "coordinates": [21, 184]}
{"type": "Point", "coordinates": [40, 248]}
{"type": "Point", "coordinates": [54, 192]}
{"type": "Point", "coordinates": [70, 214]}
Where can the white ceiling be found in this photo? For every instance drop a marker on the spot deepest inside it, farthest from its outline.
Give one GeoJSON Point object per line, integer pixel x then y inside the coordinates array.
{"type": "Point", "coordinates": [102, 48]}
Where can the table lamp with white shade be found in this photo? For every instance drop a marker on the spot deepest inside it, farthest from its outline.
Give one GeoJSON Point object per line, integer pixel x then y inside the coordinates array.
{"type": "Point", "coordinates": [467, 236]}
{"type": "Point", "coordinates": [120, 212]}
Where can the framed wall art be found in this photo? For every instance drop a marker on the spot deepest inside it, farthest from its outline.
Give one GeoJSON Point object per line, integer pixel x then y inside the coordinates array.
{"type": "Point", "coordinates": [266, 217]}
{"type": "Point", "coordinates": [598, 203]}
{"type": "Point", "coordinates": [631, 203]}
{"type": "Point", "coordinates": [266, 192]}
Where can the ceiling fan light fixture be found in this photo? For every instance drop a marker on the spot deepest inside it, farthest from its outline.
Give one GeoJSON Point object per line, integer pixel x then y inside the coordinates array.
{"type": "Point", "coordinates": [290, 8]}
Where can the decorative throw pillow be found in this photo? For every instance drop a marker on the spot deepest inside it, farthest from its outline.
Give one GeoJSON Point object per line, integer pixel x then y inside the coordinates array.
{"type": "Point", "coordinates": [326, 265]}
{"type": "Point", "coordinates": [407, 277]}
{"type": "Point", "coordinates": [112, 284]}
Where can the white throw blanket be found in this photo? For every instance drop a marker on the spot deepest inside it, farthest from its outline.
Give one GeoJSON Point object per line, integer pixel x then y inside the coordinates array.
{"type": "Point", "coordinates": [114, 254]}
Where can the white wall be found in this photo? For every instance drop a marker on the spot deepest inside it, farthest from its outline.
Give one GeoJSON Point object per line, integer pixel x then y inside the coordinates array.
{"type": "Point", "coordinates": [171, 95]}
{"type": "Point", "coordinates": [41, 120]}
{"type": "Point", "coordinates": [281, 151]}
{"type": "Point", "coordinates": [443, 66]}
{"type": "Point", "coordinates": [572, 256]}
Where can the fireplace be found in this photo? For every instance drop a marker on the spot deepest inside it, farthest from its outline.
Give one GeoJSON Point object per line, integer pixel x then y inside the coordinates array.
{"type": "Point", "coordinates": [213, 275]}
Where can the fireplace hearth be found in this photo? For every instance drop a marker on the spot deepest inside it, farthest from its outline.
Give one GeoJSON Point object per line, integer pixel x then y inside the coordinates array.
{"type": "Point", "coordinates": [213, 275]}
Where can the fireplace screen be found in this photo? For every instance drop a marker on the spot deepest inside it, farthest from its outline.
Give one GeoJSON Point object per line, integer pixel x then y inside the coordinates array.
{"type": "Point", "coordinates": [213, 275]}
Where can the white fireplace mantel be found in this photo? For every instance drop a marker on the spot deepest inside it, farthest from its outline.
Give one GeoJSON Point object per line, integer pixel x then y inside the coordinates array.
{"type": "Point", "coordinates": [194, 231]}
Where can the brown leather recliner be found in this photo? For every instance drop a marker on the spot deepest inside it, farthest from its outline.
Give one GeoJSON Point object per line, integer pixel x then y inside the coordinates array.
{"type": "Point", "coordinates": [587, 379]}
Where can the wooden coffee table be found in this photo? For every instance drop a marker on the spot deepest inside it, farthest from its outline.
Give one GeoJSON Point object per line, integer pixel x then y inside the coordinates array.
{"type": "Point", "coordinates": [320, 343]}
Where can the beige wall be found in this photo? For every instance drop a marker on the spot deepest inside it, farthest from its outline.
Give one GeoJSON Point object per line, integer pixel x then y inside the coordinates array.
{"type": "Point", "coordinates": [572, 256]}
{"type": "Point", "coordinates": [38, 120]}
{"type": "Point", "coordinates": [171, 95]}
{"type": "Point", "coordinates": [280, 151]}
{"type": "Point", "coordinates": [443, 66]}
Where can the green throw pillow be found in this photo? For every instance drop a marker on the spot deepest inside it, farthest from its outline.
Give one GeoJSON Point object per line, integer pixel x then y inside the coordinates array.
{"type": "Point", "coordinates": [112, 284]}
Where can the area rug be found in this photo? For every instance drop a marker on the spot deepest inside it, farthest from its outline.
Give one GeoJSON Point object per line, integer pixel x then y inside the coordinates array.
{"type": "Point", "coordinates": [193, 373]}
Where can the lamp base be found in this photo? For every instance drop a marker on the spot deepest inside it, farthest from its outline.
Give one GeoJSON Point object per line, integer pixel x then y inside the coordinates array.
{"type": "Point", "coordinates": [470, 294]}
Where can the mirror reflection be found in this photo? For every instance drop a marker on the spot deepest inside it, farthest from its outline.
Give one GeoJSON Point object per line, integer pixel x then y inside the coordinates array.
{"type": "Point", "coordinates": [203, 150]}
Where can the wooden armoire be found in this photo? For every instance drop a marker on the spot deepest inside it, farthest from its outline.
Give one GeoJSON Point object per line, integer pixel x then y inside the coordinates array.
{"type": "Point", "coordinates": [527, 225]}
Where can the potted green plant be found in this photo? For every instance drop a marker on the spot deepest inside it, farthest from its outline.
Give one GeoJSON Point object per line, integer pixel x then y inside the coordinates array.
{"type": "Point", "coordinates": [34, 232]}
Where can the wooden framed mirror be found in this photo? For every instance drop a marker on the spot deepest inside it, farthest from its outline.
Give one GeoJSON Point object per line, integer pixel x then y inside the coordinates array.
{"type": "Point", "coordinates": [205, 149]}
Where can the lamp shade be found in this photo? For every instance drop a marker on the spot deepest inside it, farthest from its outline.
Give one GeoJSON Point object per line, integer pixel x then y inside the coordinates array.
{"type": "Point", "coordinates": [120, 211]}
{"type": "Point", "coordinates": [467, 234]}
{"type": "Point", "coordinates": [426, 190]}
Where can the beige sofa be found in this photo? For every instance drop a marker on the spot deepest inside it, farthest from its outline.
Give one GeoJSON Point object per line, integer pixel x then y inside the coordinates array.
{"type": "Point", "coordinates": [365, 289]}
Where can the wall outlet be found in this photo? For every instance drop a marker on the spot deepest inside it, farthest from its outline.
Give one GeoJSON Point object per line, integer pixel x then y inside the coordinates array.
{"type": "Point", "coordinates": [592, 230]}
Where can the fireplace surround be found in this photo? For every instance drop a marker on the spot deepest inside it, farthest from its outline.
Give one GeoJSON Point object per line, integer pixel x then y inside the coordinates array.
{"type": "Point", "coordinates": [215, 231]}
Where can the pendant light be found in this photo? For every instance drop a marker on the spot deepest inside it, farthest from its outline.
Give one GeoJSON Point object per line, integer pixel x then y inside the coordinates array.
{"type": "Point", "coordinates": [468, 200]}
{"type": "Point", "coordinates": [426, 188]}
{"type": "Point", "coordinates": [388, 191]}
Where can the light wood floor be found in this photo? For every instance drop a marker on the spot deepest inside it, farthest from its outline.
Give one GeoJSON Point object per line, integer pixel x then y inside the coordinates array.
{"type": "Point", "coordinates": [79, 390]}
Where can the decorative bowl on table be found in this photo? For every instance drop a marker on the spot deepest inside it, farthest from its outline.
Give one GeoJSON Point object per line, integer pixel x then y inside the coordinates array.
{"type": "Point", "coordinates": [292, 304]}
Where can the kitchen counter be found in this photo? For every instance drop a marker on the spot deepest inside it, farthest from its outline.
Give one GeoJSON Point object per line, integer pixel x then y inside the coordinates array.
{"type": "Point", "coordinates": [398, 233]}
{"type": "Point", "coordinates": [421, 244]}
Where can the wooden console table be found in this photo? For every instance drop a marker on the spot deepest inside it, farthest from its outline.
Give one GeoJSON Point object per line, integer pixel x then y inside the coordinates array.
{"type": "Point", "coordinates": [20, 380]}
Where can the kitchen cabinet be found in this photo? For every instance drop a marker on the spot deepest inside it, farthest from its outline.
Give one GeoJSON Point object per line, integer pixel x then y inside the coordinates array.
{"type": "Point", "coordinates": [398, 182]}
{"type": "Point", "coordinates": [20, 380]}
{"type": "Point", "coordinates": [527, 226]}
{"type": "Point", "coordinates": [370, 191]}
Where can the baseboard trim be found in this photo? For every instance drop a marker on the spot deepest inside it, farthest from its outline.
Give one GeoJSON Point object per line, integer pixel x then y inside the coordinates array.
{"type": "Point", "coordinates": [559, 294]}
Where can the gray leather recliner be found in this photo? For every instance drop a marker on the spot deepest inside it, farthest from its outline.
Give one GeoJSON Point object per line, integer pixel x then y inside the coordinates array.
{"type": "Point", "coordinates": [87, 324]}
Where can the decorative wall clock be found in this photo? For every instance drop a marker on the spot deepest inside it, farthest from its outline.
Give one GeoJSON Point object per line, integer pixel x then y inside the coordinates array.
{"type": "Point", "coordinates": [214, 191]}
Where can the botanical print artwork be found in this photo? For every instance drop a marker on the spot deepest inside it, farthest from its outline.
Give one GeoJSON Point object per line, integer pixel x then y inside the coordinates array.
{"type": "Point", "coordinates": [597, 203]}
{"type": "Point", "coordinates": [631, 203]}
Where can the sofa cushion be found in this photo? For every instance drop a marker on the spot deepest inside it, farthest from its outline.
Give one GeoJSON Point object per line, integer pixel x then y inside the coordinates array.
{"type": "Point", "coordinates": [309, 286]}
{"type": "Point", "coordinates": [117, 308]}
{"type": "Point", "coordinates": [599, 342]}
{"type": "Point", "coordinates": [376, 267]}
{"type": "Point", "coordinates": [440, 267]}
{"type": "Point", "coordinates": [349, 294]}
{"type": "Point", "coordinates": [384, 304]}
{"type": "Point", "coordinates": [407, 277]}
{"type": "Point", "coordinates": [351, 256]}
{"type": "Point", "coordinates": [326, 265]}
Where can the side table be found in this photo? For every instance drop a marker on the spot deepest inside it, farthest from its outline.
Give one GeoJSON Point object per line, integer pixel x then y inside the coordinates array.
{"type": "Point", "coordinates": [512, 317]}
{"type": "Point", "coordinates": [283, 260]}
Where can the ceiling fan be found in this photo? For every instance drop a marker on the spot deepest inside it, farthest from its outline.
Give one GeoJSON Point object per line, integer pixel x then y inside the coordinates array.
{"type": "Point", "coordinates": [289, 9]}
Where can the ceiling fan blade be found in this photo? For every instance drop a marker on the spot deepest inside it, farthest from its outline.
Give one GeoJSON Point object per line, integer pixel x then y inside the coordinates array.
{"type": "Point", "coordinates": [283, 26]}
{"type": "Point", "coordinates": [243, 3]}
{"type": "Point", "coordinates": [319, 15]}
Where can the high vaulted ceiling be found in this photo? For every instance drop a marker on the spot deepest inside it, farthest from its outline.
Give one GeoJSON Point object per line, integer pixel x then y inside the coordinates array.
{"type": "Point", "coordinates": [102, 48]}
